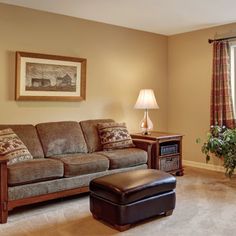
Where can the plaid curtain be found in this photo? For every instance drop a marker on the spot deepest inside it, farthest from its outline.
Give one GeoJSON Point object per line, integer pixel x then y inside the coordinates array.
{"type": "Point", "coordinates": [221, 99]}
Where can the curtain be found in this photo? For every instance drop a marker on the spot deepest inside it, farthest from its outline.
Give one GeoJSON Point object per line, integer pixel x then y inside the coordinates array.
{"type": "Point", "coordinates": [221, 99]}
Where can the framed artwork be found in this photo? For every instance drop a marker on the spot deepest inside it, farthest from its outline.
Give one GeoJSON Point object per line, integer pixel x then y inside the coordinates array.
{"type": "Point", "coordinates": [42, 77]}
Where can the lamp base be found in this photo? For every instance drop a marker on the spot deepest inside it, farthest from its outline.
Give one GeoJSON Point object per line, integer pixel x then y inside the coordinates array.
{"type": "Point", "coordinates": [146, 124]}
{"type": "Point", "coordinates": [146, 133]}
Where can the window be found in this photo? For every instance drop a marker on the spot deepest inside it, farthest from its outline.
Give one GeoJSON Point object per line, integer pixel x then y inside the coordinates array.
{"type": "Point", "coordinates": [233, 73]}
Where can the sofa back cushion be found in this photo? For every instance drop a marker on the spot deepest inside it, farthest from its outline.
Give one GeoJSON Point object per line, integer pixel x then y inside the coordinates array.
{"type": "Point", "coordinates": [29, 136]}
{"type": "Point", "coordinates": [90, 130]}
{"type": "Point", "coordinates": [61, 138]}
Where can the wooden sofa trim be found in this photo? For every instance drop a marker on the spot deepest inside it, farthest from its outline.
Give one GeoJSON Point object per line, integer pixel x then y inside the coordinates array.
{"type": "Point", "coordinates": [4, 191]}
{"type": "Point", "coordinates": [41, 198]}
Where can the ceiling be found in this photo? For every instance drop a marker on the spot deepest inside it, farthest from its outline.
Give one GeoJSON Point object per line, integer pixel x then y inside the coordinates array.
{"type": "Point", "coordinates": [166, 17]}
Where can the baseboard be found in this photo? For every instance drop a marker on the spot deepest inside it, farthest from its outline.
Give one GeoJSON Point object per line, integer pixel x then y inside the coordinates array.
{"type": "Point", "coordinates": [203, 165]}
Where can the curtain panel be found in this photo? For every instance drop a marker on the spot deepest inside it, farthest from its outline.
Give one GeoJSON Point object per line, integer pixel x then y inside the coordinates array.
{"type": "Point", "coordinates": [221, 100]}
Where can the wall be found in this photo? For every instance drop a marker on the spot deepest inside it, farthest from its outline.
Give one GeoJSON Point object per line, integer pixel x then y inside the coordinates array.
{"type": "Point", "coordinates": [120, 62]}
{"type": "Point", "coordinates": [189, 85]}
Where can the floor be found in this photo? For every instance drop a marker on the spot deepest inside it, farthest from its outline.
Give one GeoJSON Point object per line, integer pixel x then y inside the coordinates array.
{"type": "Point", "coordinates": [206, 205]}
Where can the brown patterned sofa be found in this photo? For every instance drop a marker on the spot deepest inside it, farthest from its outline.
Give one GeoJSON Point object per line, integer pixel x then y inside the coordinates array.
{"type": "Point", "coordinates": [66, 157]}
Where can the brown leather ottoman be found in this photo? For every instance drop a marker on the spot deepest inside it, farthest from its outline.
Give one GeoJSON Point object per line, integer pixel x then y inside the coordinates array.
{"type": "Point", "coordinates": [126, 198]}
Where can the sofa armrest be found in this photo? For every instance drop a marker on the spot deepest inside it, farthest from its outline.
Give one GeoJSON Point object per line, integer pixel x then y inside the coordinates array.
{"type": "Point", "coordinates": [146, 145]}
{"type": "Point", "coordinates": [3, 160]}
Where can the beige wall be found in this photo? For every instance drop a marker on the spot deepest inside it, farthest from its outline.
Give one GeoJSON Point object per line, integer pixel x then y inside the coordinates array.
{"type": "Point", "coordinates": [189, 85]}
{"type": "Point", "coordinates": [120, 62]}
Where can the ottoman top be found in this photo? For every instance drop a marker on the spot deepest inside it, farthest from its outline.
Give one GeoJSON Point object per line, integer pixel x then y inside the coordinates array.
{"type": "Point", "coordinates": [131, 186]}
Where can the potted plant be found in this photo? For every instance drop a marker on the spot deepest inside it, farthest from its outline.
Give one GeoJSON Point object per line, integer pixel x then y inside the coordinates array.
{"type": "Point", "coordinates": [221, 142]}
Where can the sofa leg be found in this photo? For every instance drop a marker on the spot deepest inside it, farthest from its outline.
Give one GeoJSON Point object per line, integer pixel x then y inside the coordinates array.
{"type": "Point", "coordinates": [169, 213]}
{"type": "Point", "coordinates": [3, 216]}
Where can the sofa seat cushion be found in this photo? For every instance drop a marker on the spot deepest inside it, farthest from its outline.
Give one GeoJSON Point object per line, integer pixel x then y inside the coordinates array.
{"type": "Point", "coordinates": [122, 158]}
{"type": "Point", "coordinates": [81, 164]}
{"type": "Point", "coordinates": [35, 170]}
{"type": "Point", "coordinates": [61, 138]}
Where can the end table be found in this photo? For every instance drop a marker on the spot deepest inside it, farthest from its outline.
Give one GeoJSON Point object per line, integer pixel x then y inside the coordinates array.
{"type": "Point", "coordinates": [167, 152]}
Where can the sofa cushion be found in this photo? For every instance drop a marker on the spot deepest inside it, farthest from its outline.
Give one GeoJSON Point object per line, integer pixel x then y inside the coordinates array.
{"type": "Point", "coordinates": [61, 184]}
{"type": "Point", "coordinates": [114, 135]}
{"type": "Point", "coordinates": [12, 148]}
{"type": "Point", "coordinates": [29, 136]}
{"type": "Point", "coordinates": [80, 164]}
{"type": "Point", "coordinates": [61, 138]}
{"type": "Point", "coordinates": [34, 171]}
{"type": "Point", "coordinates": [89, 128]}
{"type": "Point", "coordinates": [122, 158]}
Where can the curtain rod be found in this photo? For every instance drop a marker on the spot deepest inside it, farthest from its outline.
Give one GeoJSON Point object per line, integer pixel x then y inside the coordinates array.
{"type": "Point", "coordinates": [215, 40]}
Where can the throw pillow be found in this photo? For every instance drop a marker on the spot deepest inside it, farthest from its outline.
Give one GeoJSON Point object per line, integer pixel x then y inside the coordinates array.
{"type": "Point", "coordinates": [114, 136]}
{"type": "Point", "coordinates": [12, 147]}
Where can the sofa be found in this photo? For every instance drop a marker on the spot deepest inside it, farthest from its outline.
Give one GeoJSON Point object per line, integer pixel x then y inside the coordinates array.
{"type": "Point", "coordinates": [67, 155]}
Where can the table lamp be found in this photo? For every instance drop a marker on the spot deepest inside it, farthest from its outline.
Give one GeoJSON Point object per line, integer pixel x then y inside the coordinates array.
{"type": "Point", "coordinates": [146, 100]}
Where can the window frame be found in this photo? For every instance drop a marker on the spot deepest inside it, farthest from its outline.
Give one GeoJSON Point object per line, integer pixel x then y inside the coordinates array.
{"type": "Point", "coordinates": [232, 73]}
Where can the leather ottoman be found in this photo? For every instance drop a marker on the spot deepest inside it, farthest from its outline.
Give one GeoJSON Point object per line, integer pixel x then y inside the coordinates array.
{"type": "Point", "coordinates": [126, 198]}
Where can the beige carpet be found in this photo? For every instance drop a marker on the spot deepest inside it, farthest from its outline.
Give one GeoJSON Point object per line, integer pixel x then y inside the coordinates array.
{"type": "Point", "coordinates": [206, 205]}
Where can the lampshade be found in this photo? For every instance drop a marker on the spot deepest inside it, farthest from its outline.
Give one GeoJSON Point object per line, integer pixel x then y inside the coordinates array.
{"type": "Point", "coordinates": [146, 100]}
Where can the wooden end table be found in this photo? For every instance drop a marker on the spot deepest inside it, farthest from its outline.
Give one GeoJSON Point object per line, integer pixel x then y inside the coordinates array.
{"type": "Point", "coordinates": [167, 152]}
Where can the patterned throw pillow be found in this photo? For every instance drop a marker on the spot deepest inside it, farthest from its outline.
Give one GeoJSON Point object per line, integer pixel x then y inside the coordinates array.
{"type": "Point", "coordinates": [12, 147]}
{"type": "Point", "coordinates": [114, 136]}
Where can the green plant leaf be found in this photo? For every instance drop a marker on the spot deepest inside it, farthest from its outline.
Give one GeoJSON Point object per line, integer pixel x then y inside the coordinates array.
{"type": "Point", "coordinates": [221, 142]}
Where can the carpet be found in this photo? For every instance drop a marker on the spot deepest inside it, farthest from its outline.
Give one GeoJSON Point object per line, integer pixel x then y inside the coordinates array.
{"type": "Point", "coordinates": [206, 205]}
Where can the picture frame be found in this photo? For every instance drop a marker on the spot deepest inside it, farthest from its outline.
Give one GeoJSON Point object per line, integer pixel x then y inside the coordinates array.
{"type": "Point", "coordinates": [43, 77]}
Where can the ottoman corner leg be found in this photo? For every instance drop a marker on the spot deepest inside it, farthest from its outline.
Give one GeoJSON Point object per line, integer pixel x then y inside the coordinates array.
{"type": "Point", "coordinates": [96, 217]}
{"type": "Point", "coordinates": [169, 213]}
{"type": "Point", "coordinates": [122, 227]}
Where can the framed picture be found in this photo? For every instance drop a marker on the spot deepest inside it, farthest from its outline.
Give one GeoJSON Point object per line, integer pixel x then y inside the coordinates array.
{"type": "Point", "coordinates": [42, 77]}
